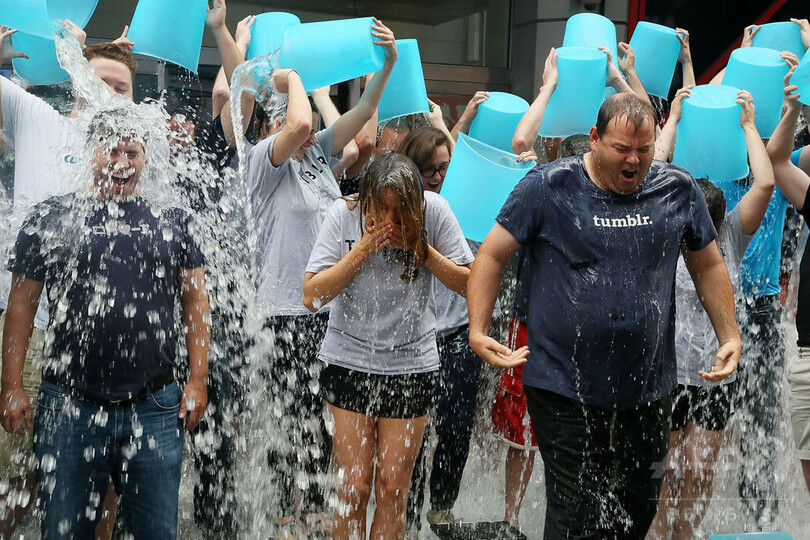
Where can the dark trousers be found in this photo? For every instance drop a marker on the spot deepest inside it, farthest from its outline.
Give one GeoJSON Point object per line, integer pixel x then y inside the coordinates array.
{"type": "Point", "coordinates": [213, 441]}
{"type": "Point", "coordinates": [453, 421]}
{"type": "Point", "coordinates": [301, 460]}
{"type": "Point", "coordinates": [761, 372]}
{"type": "Point", "coordinates": [603, 468]}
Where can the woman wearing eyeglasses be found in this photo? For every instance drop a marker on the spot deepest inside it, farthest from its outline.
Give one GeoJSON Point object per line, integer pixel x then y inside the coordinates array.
{"type": "Point", "coordinates": [430, 149]}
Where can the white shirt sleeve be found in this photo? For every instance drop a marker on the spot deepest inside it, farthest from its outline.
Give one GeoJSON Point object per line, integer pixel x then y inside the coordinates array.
{"type": "Point", "coordinates": [21, 108]}
{"type": "Point", "coordinates": [328, 249]}
{"type": "Point", "coordinates": [444, 232]}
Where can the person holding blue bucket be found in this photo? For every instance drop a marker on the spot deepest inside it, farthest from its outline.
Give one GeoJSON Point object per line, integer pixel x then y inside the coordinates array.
{"type": "Point", "coordinates": [701, 409]}
{"type": "Point", "coordinates": [291, 188]}
{"type": "Point", "coordinates": [454, 400]}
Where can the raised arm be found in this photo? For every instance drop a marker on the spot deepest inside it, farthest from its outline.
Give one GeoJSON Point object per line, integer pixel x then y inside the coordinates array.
{"type": "Point", "coordinates": [627, 63]}
{"type": "Point", "coordinates": [529, 125]}
{"type": "Point", "coordinates": [436, 119]}
{"type": "Point", "coordinates": [754, 203]}
{"type": "Point", "coordinates": [469, 114]}
{"type": "Point", "coordinates": [221, 92]}
{"type": "Point", "coordinates": [713, 287]}
{"type": "Point", "coordinates": [350, 124]}
{"type": "Point", "coordinates": [614, 76]}
{"type": "Point", "coordinates": [23, 301]}
{"type": "Point", "coordinates": [482, 290]}
{"type": "Point", "coordinates": [791, 180]}
{"type": "Point", "coordinates": [7, 54]}
{"type": "Point", "coordinates": [685, 58]}
{"type": "Point", "coordinates": [196, 323]}
{"type": "Point", "coordinates": [298, 126]}
{"type": "Point", "coordinates": [665, 144]}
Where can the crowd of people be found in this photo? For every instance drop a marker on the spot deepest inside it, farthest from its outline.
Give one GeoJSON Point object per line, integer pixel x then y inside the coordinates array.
{"type": "Point", "coordinates": [128, 309]}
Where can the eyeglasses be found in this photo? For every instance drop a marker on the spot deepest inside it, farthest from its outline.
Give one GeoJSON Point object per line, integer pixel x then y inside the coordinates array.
{"type": "Point", "coordinates": [431, 172]}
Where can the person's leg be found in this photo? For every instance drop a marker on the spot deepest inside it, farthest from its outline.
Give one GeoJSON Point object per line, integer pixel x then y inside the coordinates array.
{"type": "Point", "coordinates": [109, 513]}
{"type": "Point", "coordinates": [455, 412]}
{"type": "Point", "coordinates": [72, 442]}
{"type": "Point", "coordinates": [16, 496]}
{"type": "Point", "coordinates": [759, 391]}
{"type": "Point", "coordinates": [148, 465]}
{"type": "Point", "coordinates": [416, 497]}
{"type": "Point", "coordinates": [519, 466]}
{"type": "Point", "coordinates": [398, 443]}
{"type": "Point", "coordinates": [353, 445]}
{"type": "Point", "coordinates": [314, 456]}
{"type": "Point", "coordinates": [667, 502]}
{"type": "Point", "coordinates": [701, 448]}
{"type": "Point", "coordinates": [574, 441]}
{"type": "Point", "coordinates": [641, 439]}
{"type": "Point", "coordinates": [806, 472]}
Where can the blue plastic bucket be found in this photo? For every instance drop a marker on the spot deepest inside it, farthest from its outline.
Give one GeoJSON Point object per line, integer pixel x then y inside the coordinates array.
{"type": "Point", "coordinates": [762, 72]}
{"type": "Point", "coordinates": [657, 49]}
{"type": "Point", "coordinates": [329, 52]}
{"type": "Point", "coordinates": [591, 30]}
{"type": "Point", "coordinates": [170, 30]}
{"type": "Point", "coordinates": [42, 65]}
{"type": "Point", "coordinates": [780, 36]}
{"type": "Point", "coordinates": [497, 120]}
{"type": "Point", "coordinates": [36, 17]}
{"type": "Point", "coordinates": [801, 78]}
{"type": "Point", "coordinates": [580, 92]}
{"type": "Point", "coordinates": [405, 92]}
{"type": "Point", "coordinates": [710, 141]}
{"type": "Point", "coordinates": [267, 33]}
{"type": "Point", "coordinates": [478, 181]}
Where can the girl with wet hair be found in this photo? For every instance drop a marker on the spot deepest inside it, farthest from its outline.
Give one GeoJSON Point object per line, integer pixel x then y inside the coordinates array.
{"type": "Point", "coordinates": [374, 260]}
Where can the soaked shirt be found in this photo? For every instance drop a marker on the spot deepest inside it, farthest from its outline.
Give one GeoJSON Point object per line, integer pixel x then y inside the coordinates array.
{"type": "Point", "coordinates": [759, 273]}
{"type": "Point", "coordinates": [695, 341]}
{"type": "Point", "coordinates": [381, 323]}
{"type": "Point", "coordinates": [111, 272]}
{"type": "Point", "coordinates": [289, 204]}
{"type": "Point", "coordinates": [601, 312]}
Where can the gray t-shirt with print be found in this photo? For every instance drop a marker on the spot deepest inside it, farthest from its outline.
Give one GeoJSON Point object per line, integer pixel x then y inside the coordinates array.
{"type": "Point", "coordinates": [695, 341]}
{"type": "Point", "coordinates": [289, 204]}
{"type": "Point", "coordinates": [380, 323]}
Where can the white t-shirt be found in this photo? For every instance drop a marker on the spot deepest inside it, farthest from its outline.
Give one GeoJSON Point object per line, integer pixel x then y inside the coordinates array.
{"type": "Point", "coordinates": [695, 341]}
{"type": "Point", "coordinates": [380, 323]}
{"type": "Point", "coordinates": [47, 154]}
{"type": "Point", "coordinates": [289, 204]}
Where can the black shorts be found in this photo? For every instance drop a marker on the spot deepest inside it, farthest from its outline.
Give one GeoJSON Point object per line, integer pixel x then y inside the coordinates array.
{"type": "Point", "coordinates": [385, 396]}
{"type": "Point", "coordinates": [707, 406]}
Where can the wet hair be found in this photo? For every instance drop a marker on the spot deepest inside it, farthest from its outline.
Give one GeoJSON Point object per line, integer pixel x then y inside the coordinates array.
{"type": "Point", "coordinates": [114, 52]}
{"type": "Point", "coordinates": [400, 123]}
{"type": "Point", "coordinates": [421, 143]}
{"type": "Point", "coordinates": [715, 200]}
{"type": "Point", "coordinates": [397, 172]}
{"type": "Point", "coordinates": [112, 124]}
{"type": "Point", "coordinates": [574, 146]}
{"type": "Point", "coordinates": [624, 105]}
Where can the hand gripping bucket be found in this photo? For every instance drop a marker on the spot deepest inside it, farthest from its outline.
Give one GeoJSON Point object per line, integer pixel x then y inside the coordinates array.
{"type": "Point", "coordinates": [267, 33]}
{"type": "Point", "coordinates": [497, 120]}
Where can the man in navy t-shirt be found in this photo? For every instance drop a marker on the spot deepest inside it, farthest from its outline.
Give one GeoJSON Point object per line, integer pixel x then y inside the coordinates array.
{"type": "Point", "coordinates": [603, 233]}
{"type": "Point", "coordinates": [114, 267]}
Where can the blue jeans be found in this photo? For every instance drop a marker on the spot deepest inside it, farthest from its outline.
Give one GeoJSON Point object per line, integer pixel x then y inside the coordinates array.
{"type": "Point", "coordinates": [81, 444]}
{"type": "Point", "coordinates": [455, 396]}
{"type": "Point", "coordinates": [760, 375]}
